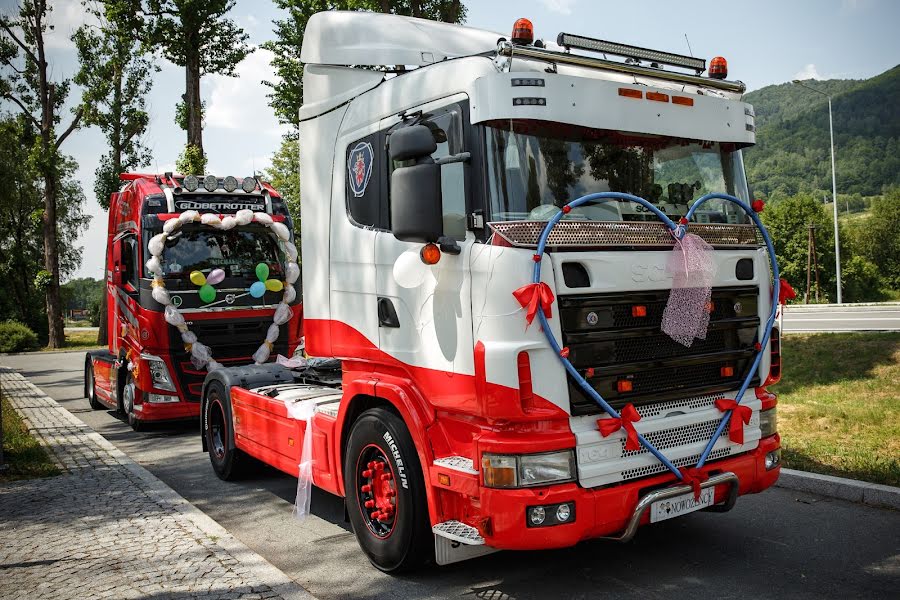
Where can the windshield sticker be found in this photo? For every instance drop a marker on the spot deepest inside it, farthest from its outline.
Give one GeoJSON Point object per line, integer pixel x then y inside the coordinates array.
{"type": "Point", "coordinates": [359, 166]}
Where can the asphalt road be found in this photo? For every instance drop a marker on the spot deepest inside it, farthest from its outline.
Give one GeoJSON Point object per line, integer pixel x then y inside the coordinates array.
{"type": "Point", "coordinates": [779, 544]}
{"type": "Point", "coordinates": [842, 318]}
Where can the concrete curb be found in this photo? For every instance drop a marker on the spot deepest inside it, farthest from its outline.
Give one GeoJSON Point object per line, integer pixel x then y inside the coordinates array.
{"type": "Point", "coordinates": [861, 492]}
{"type": "Point", "coordinates": [275, 578]}
{"type": "Point", "coordinates": [60, 351]}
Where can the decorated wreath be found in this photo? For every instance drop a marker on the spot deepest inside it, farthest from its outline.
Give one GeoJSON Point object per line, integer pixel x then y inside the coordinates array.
{"type": "Point", "coordinates": [201, 355]}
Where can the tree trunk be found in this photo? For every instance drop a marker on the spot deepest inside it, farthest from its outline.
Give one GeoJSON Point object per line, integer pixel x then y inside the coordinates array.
{"type": "Point", "coordinates": [416, 8]}
{"type": "Point", "coordinates": [192, 101]}
{"type": "Point", "coordinates": [386, 6]}
{"type": "Point", "coordinates": [51, 264]}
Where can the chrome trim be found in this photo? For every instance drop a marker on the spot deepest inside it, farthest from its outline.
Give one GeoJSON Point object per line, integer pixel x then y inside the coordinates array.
{"type": "Point", "coordinates": [670, 492]}
{"type": "Point", "coordinates": [507, 49]}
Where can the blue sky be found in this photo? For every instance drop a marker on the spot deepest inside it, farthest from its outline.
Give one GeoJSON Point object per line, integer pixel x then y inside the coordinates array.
{"type": "Point", "coordinates": [765, 42]}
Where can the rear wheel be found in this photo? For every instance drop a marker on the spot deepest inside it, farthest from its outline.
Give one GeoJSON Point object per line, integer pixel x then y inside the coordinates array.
{"type": "Point", "coordinates": [228, 463]}
{"type": "Point", "coordinates": [129, 391]}
{"type": "Point", "coordinates": [90, 388]}
{"type": "Point", "coordinates": [385, 493]}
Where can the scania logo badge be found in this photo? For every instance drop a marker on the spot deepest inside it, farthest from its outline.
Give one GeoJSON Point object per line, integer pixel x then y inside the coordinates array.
{"type": "Point", "coordinates": [592, 318]}
{"type": "Point", "coordinates": [738, 307]}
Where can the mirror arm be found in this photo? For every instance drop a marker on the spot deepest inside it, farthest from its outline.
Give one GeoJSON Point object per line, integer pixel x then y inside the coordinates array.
{"type": "Point", "coordinates": [454, 158]}
{"type": "Point", "coordinates": [448, 245]}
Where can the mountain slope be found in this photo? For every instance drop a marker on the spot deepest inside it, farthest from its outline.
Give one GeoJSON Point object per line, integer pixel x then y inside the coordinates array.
{"type": "Point", "coordinates": [793, 153]}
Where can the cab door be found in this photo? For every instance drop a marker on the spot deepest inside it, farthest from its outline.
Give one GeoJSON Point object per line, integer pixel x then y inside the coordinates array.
{"type": "Point", "coordinates": [425, 312]}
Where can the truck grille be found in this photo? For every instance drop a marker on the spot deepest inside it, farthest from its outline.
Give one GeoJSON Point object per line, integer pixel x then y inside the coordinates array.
{"type": "Point", "coordinates": [687, 461]}
{"type": "Point", "coordinates": [605, 335]}
{"type": "Point", "coordinates": [233, 342]}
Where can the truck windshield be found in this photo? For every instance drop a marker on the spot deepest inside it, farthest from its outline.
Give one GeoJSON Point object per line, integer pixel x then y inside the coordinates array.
{"type": "Point", "coordinates": [535, 167]}
{"type": "Point", "coordinates": [235, 252]}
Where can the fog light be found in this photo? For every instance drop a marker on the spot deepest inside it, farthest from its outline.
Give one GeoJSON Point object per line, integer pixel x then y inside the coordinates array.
{"type": "Point", "coordinates": [773, 459]}
{"type": "Point", "coordinates": [537, 515]}
{"type": "Point", "coordinates": [563, 512]}
{"type": "Point", "coordinates": [160, 398]}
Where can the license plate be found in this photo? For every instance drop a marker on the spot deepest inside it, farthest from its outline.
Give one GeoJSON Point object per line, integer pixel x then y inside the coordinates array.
{"type": "Point", "coordinates": [681, 505]}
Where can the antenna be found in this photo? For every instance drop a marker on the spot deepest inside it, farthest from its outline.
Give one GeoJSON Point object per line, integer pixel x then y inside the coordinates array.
{"type": "Point", "coordinates": [691, 52]}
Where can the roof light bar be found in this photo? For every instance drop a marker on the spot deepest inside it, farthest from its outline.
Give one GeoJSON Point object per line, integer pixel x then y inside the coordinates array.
{"type": "Point", "coordinates": [580, 42]}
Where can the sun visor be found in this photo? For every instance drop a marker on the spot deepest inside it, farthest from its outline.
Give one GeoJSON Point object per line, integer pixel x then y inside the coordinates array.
{"type": "Point", "coordinates": [326, 87]}
{"type": "Point", "coordinates": [616, 106]}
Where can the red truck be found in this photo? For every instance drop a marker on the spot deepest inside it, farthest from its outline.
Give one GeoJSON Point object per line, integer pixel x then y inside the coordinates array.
{"type": "Point", "coordinates": [150, 371]}
{"type": "Point", "coordinates": [493, 365]}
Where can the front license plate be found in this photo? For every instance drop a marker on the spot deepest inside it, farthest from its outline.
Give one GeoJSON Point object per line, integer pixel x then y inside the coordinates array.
{"type": "Point", "coordinates": [681, 505]}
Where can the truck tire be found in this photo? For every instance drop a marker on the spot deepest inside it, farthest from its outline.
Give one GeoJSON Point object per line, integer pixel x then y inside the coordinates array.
{"type": "Point", "coordinates": [385, 493]}
{"type": "Point", "coordinates": [228, 462]}
{"type": "Point", "coordinates": [90, 388]}
{"type": "Point", "coordinates": [126, 405]}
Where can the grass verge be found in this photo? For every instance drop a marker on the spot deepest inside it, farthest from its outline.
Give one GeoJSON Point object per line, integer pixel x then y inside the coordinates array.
{"type": "Point", "coordinates": [24, 455]}
{"type": "Point", "coordinates": [839, 405]}
{"type": "Point", "coordinates": [76, 340]}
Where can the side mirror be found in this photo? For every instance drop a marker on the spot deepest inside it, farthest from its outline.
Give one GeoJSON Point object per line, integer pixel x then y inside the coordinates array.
{"type": "Point", "coordinates": [416, 207]}
{"type": "Point", "coordinates": [117, 277]}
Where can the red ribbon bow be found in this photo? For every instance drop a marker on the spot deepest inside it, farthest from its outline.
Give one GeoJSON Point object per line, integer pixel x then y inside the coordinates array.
{"type": "Point", "coordinates": [785, 292]}
{"type": "Point", "coordinates": [627, 416]}
{"type": "Point", "coordinates": [693, 477]}
{"type": "Point", "coordinates": [532, 295]}
{"type": "Point", "coordinates": [740, 413]}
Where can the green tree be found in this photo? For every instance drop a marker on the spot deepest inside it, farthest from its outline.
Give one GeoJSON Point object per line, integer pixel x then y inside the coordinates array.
{"type": "Point", "coordinates": [115, 76]}
{"type": "Point", "coordinates": [788, 223]}
{"type": "Point", "coordinates": [27, 83]}
{"type": "Point", "coordinates": [284, 175]}
{"type": "Point", "coordinates": [196, 35]}
{"type": "Point", "coordinates": [877, 237]}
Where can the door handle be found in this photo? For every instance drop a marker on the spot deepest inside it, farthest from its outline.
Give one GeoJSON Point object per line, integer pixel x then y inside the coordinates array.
{"type": "Point", "coordinates": [387, 315]}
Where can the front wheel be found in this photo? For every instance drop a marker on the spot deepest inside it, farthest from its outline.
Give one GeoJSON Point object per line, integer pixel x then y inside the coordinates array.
{"type": "Point", "coordinates": [129, 391]}
{"type": "Point", "coordinates": [228, 463]}
{"type": "Point", "coordinates": [385, 493]}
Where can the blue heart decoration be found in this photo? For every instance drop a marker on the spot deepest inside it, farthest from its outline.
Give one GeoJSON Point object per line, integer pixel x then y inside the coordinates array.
{"type": "Point", "coordinates": [679, 231]}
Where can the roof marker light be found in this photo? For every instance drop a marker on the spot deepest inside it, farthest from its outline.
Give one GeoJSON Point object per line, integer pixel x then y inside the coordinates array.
{"type": "Point", "coordinates": [430, 254]}
{"type": "Point", "coordinates": [522, 32]}
{"type": "Point", "coordinates": [718, 68]}
{"type": "Point", "coordinates": [631, 93]}
{"type": "Point", "coordinates": [657, 97]}
{"type": "Point", "coordinates": [682, 100]}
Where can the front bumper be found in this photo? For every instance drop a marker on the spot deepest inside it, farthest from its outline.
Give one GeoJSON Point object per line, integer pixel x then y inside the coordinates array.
{"type": "Point", "coordinates": [606, 512]}
{"type": "Point", "coordinates": [173, 411]}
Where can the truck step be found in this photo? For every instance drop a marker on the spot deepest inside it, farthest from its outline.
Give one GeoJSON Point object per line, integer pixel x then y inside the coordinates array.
{"type": "Point", "coordinates": [457, 463]}
{"type": "Point", "coordinates": [458, 532]}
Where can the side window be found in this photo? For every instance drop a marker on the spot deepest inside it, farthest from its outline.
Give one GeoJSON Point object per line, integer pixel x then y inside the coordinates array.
{"type": "Point", "coordinates": [363, 187]}
{"type": "Point", "coordinates": [446, 126]}
{"type": "Point", "coordinates": [130, 273]}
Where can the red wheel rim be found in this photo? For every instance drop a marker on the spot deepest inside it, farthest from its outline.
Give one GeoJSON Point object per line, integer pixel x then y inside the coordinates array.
{"type": "Point", "coordinates": [376, 491]}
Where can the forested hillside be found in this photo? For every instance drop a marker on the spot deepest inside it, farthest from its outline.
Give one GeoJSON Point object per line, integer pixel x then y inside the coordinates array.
{"type": "Point", "coordinates": [792, 153]}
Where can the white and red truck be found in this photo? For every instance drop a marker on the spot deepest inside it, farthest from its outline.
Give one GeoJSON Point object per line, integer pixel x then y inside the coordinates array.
{"type": "Point", "coordinates": [433, 157]}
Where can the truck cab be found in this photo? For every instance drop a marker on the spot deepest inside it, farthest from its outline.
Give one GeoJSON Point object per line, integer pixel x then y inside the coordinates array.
{"type": "Point", "coordinates": [147, 372]}
{"type": "Point", "coordinates": [432, 158]}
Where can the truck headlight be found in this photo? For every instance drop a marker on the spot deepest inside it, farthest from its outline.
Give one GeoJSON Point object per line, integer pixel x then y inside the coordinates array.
{"type": "Point", "coordinates": [159, 373]}
{"type": "Point", "coordinates": [768, 422]}
{"type": "Point", "coordinates": [527, 470]}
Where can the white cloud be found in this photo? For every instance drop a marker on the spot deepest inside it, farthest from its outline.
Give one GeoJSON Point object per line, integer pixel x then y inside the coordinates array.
{"type": "Point", "coordinates": [240, 102]}
{"type": "Point", "coordinates": [808, 72]}
{"type": "Point", "coordinates": [563, 7]}
{"type": "Point", "coordinates": [67, 16]}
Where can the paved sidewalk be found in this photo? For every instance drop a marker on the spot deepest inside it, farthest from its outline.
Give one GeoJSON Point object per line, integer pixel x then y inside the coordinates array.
{"type": "Point", "coordinates": [107, 528]}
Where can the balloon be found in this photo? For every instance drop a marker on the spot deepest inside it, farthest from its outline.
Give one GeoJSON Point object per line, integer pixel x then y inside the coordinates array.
{"type": "Point", "coordinates": [274, 285]}
{"type": "Point", "coordinates": [157, 244]}
{"type": "Point", "coordinates": [207, 293]}
{"type": "Point", "coordinates": [257, 289]}
{"type": "Point", "coordinates": [198, 278]}
{"type": "Point", "coordinates": [261, 217]}
{"type": "Point", "coordinates": [154, 266]}
{"type": "Point", "coordinates": [171, 225]}
{"type": "Point", "coordinates": [215, 277]}
{"type": "Point", "coordinates": [291, 272]}
{"type": "Point", "coordinates": [262, 271]}
{"type": "Point", "coordinates": [188, 216]}
{"type": "Point", "coordinates": [210, 219]}
{"type": "Point", "coordinates": [243, 216]}
{"type": "Point", "coordinates": [281, 230]}
{"type": "Point", "coordinates": [290, 294]}
{"type": "Point", "coordinates": [409, 270]}
{"type": "Point", "coordinates": [291, 251]}
{"type": "Point", "coordinates": [229, 223]}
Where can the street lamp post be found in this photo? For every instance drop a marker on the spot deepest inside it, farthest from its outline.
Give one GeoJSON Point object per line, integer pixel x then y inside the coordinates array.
{"type": "Point", "coordinates": [837, 240]}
